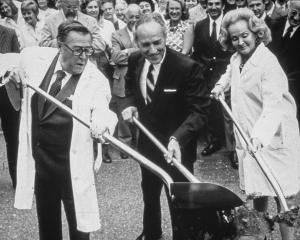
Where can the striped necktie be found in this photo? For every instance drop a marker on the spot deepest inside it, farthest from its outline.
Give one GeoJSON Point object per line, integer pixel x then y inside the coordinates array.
{"type": "Point", "coordinates": [150, 84]}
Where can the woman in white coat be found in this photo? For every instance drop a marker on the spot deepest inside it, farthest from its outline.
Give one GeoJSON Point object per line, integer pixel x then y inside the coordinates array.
{"type": "Point", "coordinates": [264, 108]}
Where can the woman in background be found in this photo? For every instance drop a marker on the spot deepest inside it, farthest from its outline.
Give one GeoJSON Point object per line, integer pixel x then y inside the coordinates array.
{"type": "Point", "coordinates": [33, 25]}
{"type": "Point", "coordinates": [264, 108]}
{"type": "Point", "coordinates": [44, 9]}
{"type": "Point", "coordinates": [12, 18]}
{"type": "Point", "coordinates": [180, 33]}
{"type": "Point", "coordinates": [93, 9]}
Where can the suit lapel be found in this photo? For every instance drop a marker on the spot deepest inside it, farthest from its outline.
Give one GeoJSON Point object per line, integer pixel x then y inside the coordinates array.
{"type": "Point", "coordinates": [45, 84]}
{"type": "Point", "coordinates": [125, 38]}
{"type": "Point", "coordinates": [65, 92]}
{"type": "Point", "coordinates": [140, 64]}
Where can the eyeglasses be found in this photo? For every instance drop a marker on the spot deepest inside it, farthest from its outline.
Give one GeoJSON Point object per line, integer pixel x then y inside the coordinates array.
{"type": "Point", "coordinates": [77, 51]}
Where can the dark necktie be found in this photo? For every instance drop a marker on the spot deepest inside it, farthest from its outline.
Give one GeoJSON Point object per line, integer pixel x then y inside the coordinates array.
{"type": "Point", "coordinates": [287, 35]}
{"type": "Point", "coordinates": [150, 84]}
{"type": "Point", "coordinates": [56, 86]}
{"type": "Point", "coordinates": [214, 32]}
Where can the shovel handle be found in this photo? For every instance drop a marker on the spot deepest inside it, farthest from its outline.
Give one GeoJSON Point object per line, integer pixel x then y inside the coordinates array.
{"type": "Point", "coordinates": [115, 142]}
{"type": "Point", "coordinates": [162, 148]}
{"type": "Point", "coordinates": [261, 163]}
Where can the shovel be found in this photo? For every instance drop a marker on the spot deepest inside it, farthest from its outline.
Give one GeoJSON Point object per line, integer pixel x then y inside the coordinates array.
{"type": "Point", "coordinates": [187, 195]}
{"type": "Point", "coordinates": [207, 193]}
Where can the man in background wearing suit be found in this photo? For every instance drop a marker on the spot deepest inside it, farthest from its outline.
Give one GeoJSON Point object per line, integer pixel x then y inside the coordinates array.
{"type": "Point", "coordinates": [285, 45]}
{"type": "Point", "coordinates": [213, 60]}
{"type": "Point", "coordinates": [9, 115]}
{"type": "Point", "coordinates": [167, 91]}
{"type": "Point", "coordinates": [56, 157]}
{"type": "Point", "coordinates": [69, 11]}
{"type": "Point", "coordinates": [122, 47]}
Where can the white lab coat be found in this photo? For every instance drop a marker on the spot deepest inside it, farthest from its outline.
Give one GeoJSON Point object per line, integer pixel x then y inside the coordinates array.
{"type": "Point", "coordinates": [90, 101]}
{"type": "Point", "coordinates": [265, 110]}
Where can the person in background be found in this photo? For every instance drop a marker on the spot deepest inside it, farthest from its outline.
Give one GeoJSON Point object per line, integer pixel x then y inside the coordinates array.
{"type": "Point", "coordinates": [9, 114]}
{"type": "Point", "coordinates": [258, 7]}
{"type": "Point", "coordinates": [33, 25]}
{"type": "Point", "coordinates": [147, 6]}
{"type": "Point", "coordinates": [44, 10]}
{"type": "Point", "coordinates": [190, 4]}
{"type": "Point", "coordinates": [180, 32]}
{"type": "Point", "coordinates": [70, 11]}
{"type": "Point", "coordinates": [167, 91]}
{"type": "Point", "coordinates": [108, 8]}
{"type": "Point", "coordinates": [12, 19]}
{"type": "Point", "coordinates": [213, 59]}
{"type": "Point", "coordinates": [241, 3]}
{"type": "Point", "coordinates": [264, 108]}
{"type": "Point", "coordinates": [93, 9]}
{"type": "Point", "coordinates": [197, 13]}
{"type": "Point", "coordinates": [285, 45]}
{"type": "Point", "coordinates": [272, 10]}
{"type": "Point", "coordinates": [120, 8]}
{"type": "Point", "coordinates": [122, 47]}
{"type": "Point", "coordinates": [229, 5]}
{"type": "Point", "coordinates": [161, 7]}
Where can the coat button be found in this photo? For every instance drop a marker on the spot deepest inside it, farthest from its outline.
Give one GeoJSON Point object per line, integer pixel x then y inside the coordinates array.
{"type": "Point", "coordinates": [38, 144]}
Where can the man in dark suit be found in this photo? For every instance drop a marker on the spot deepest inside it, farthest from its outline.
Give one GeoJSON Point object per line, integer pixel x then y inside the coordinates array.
{"type": "Point", "coordinates": [213, 60]}
{"type": "Point", "coordinates": [9, 115]}
{"type": "Point", "coordinates": [122, 47]}
{"type": "Point", "coordinates": [166, 90]}
{"type": "Point", "coordinates": [285, 45]}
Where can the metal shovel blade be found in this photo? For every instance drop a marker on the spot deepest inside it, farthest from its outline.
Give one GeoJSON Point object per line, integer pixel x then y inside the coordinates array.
{"type": "Point", "coordinates": [203, 195]}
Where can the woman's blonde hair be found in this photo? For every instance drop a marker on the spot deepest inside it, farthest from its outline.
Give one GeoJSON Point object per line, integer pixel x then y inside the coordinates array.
{"type": "Point", "coordinates": [256, 25]}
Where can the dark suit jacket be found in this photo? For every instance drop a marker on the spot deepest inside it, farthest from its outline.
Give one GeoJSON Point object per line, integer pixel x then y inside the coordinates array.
{"type": "Point", "coordinates": [120, 41]}
{"type": "Point", "coordinates": [209, 54]}
{"type": "Point", "coordinates": [8, 40]}
{"type": "Point", "coordinates": [179, 113]}
{"type": "Point", "coordinates": [286, 52]}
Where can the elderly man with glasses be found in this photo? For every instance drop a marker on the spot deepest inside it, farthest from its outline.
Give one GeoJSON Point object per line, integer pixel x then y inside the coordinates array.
{"type": "Point", "coordinates": [56, 158]}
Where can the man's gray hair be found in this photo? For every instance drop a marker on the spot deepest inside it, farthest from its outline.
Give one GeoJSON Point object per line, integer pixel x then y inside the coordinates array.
{"type": "Point", "coordinates": [148, 18]}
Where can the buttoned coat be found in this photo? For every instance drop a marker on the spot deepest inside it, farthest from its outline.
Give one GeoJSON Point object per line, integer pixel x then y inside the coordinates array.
{"type": "Point", "coordinates": [50, 30]}
{"type": "Point", "coordinates": [122, 47]}
{"type": "Point", "coordinates": [90, 101]}
{"type": "Point", "coordinates": [265, 110]}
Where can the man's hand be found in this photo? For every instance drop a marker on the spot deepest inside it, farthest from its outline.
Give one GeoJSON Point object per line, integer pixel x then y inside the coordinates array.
{"type": "Point", "coordinates": [173, 151]}
{"type": "Point", "coordinates": [97, 130]}
{"type": "Point", "coordinates": [129, 113]}
{"type": "Point", "coordinates": [217, 92]}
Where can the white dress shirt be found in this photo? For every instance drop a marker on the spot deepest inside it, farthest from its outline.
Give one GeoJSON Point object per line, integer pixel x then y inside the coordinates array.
{"type": "Point", "coordinates": [155, 72]}
{"type": "Point", "coordinates": [64, 80]}
{"type": "Point", "coordinates": [287, 25]}
{"type": "Point", "coordinates": [218, 24]}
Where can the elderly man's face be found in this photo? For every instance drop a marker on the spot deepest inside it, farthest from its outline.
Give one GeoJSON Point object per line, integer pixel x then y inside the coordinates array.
{"type": "Point", "coordinates": [71, 63]}
{"type": "Point", "coordinates": [70, 8]}
{"type": "Point", "coordinates": [257, 6]}
{"type": "Point", "coordinates": [214, 8]}
{"type": "Point", "coordinates": [132, 15]}
{"type": "Point", "coordinates": [151, 41]}
{"type": "Point", "coordinates": [294, 13]}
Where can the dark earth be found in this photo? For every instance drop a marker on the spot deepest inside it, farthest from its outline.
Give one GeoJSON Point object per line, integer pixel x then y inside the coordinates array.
{"type": "Point", "coordinates": [120, 199]}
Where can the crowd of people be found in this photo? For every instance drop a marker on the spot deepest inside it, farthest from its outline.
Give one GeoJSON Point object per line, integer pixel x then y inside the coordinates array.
{"type": "Point", "coordinates": [162, 60]}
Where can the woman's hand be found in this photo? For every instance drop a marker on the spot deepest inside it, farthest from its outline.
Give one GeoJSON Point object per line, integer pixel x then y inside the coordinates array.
{"type": "Point", "coordinates": [217, 92]}
{"type": "Point", "coordinates": [256, 144]}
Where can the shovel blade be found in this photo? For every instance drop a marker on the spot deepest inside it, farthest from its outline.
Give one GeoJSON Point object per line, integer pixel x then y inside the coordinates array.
{"type": "Point", "coordinates": [203, 195]}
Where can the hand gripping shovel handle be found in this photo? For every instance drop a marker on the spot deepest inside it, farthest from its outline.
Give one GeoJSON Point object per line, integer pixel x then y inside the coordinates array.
{"type": "Point", "coordinates": [138, 157]}
{"type": "Point", "coordinates": [162, 148]}
{"type": "Point", "coordinates": [265, 169]}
